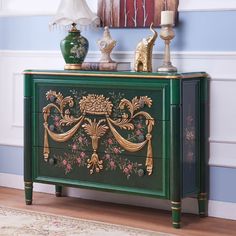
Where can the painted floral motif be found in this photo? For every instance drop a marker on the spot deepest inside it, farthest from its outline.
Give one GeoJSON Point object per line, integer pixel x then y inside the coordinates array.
{"type": "Point", "coordinates": [113, 160]}
{"type": "Point", "coordinates": [78, 51]}
{"type": "Point", "coordinates": [112, 156]}
{"type": "Point", "coordinates": [190, 137]}
{"type": "Point", "coordinates": [77, 155]}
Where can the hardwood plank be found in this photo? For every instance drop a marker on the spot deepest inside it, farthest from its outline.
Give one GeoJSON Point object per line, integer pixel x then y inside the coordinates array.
{"type": "Point", "coordinates": [146, 218]}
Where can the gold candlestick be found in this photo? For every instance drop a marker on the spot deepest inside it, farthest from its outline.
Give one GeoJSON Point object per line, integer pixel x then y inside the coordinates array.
{"type": "Point", "coordinates": [167, 34]}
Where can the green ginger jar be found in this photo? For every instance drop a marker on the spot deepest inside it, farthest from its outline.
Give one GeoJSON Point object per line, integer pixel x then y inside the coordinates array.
{"type": "Point", "coordinates": [74, 48]}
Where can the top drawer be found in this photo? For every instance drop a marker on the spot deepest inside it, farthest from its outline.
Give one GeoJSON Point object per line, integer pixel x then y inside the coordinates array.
{"type": "Point", "coordinates": [76, 96]}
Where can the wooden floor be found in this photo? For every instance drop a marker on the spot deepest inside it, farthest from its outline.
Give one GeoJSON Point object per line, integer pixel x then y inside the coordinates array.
{"type": "Point", "coordinates": [139, 217]}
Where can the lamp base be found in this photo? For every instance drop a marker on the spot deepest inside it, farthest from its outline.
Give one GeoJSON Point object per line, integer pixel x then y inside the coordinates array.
{"type": "Point", "coordinates": [73, 66]}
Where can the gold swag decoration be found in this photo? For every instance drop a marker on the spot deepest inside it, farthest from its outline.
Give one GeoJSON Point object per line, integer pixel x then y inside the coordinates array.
{"type": "Point", "coordinates": [98, 105]}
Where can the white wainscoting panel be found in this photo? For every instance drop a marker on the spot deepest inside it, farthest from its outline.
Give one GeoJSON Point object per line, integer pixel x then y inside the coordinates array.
{"type": "Point", "coordinates": [12, 64]}
{"type": "Point", "coordinates": [17, 109]}
{"type": "Point", "coordinates": [223, 109]}
{"type": "Point", "coordinates": [226, 210]}
{"type": "Point", "coordinates": [45, 7]}
{"type": "Point", "coordinates": [223, 153]}
{"type": "Point", "coordinates": [219, 65]}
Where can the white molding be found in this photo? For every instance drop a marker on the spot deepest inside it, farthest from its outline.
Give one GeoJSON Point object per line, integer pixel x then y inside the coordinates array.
{"type": "Point", "coordinates": [17, 182]}
{"type": "Point", "coordinates": [226, 161]}
{"type": "Point", "coordinates": [215, 55]}
{"type": "Point", "coordinates": [222, 147]}
{"type": "Point", "coordinates": [226, 141]}
{"type": "Point", "coordinates": [44, 7]}
{"type": "Point", "coordinates": [226, 210]}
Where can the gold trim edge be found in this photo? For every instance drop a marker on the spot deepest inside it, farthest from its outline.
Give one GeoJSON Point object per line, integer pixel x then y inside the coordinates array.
{"type": "Point", "coordinates": [175, 203]}
{"type": "Point", "coordinates": [180, 76]}
{"type": "Point", "coordinates": [176, 223]}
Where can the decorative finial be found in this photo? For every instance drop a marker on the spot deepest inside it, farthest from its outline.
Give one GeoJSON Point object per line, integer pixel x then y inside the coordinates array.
{"type": "Point", "coordinates": [106, 45]}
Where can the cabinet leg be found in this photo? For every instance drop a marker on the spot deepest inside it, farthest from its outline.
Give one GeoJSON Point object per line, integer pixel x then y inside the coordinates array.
{"type": "Point", "coordinates": [202, 204]}
{"type": "Point", "coordinates": [176, 214]}
{"type": "Point", "coordinates": [28, 193]}
{"type": "Point", "coordinates": [58, 191]}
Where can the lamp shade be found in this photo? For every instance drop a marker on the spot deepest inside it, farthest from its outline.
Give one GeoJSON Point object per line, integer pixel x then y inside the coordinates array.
{"type": "Point", "coordinates": [75, 11]}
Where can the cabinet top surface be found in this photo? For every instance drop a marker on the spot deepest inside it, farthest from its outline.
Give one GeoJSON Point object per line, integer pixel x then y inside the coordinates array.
{"type": "Point", "coordinates": [126, 74]}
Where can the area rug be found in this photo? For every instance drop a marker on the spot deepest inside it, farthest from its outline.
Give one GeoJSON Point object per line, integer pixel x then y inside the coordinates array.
{"type": "Point", "coordinates": [18, 222]}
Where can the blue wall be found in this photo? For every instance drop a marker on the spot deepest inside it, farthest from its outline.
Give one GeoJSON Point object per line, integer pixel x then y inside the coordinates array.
{"type": "Point", "coordinates": [196, 31]}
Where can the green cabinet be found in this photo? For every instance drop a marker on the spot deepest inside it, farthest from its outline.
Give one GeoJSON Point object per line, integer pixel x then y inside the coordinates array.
{"type": "Point", "coordinates": [136, 133]}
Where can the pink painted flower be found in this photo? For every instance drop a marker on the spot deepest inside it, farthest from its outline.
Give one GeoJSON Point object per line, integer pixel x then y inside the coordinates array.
{"type": "Point", "coordinates": [68, 167]}
{"type": "Point", "coordinates": [78, 160]}
{"type": "Point", "coordinates": [130, 166]}
{"type": "Point", "coordinates": [110, 141]}
{"type": "Point", "coordinates": [74, 146]}
{"type": "Point", "coordinates": [107, 156]}
{"type": "Point", "coordinates": [126, 170]}
{"type": "Point", "coordinates": [56, 118]}
{"type": "Point", "coordinates": [64, 162]}
{"type": "Point", "coordinates": [80, 139]}
{"type": "Point", "coordinates": [57, 124]}
{"type": "Point", "coordinates": [82, 154]}
{"type": "Point", "coordinates": [116, 150]}
{"type": "Point", "coordinates": [190, 157]}
{"type": "Point", "coordinates": [112, 165]}
{"type": "Point", "coordinates": [189, 119]}
{"type": "Point", "coordinates": [138, 132]}
{"type": "Point", "coordinates": [139, 125]}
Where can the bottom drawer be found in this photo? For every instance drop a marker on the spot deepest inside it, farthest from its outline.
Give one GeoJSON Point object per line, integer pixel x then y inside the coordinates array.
{"type": "Point", "coordinates": [126, 173]}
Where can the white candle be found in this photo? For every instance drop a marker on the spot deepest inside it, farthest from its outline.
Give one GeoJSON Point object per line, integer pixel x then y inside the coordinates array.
{"type": "Point", "coordinates": [167, 17]}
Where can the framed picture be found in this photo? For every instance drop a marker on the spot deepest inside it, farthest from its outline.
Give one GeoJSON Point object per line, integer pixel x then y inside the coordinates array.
{"type": "Point", "coordinates": [134, 13]}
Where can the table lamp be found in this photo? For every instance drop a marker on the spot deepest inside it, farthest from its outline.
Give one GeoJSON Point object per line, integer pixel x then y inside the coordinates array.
{"type": "Point", "coordinates": [74, 47]}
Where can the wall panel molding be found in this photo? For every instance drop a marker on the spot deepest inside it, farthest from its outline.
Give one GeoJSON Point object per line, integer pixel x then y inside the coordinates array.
{"type": "Point", "coordinates": [45, 7]}
{"type": "Point", "coordinates": [17, 111]}
{"type": "Point", "coordinates": [219, 65]}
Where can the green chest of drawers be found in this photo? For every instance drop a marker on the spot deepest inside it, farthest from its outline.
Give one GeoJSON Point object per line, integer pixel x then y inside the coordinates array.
{"type": "Point", "coordinates": [137, 133]}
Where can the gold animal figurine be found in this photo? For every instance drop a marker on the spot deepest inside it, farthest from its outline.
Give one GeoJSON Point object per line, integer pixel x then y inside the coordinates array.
{"type": "Point", "coordinates": [143, 53]}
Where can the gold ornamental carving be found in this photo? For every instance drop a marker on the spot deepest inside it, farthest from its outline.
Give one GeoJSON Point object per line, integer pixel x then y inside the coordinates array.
{"type": "Point", "coordinates": [98, 105]}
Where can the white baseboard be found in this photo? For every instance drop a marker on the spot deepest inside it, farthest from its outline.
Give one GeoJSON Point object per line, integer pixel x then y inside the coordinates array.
{"type": "Point", "coordinates": [226, 210]}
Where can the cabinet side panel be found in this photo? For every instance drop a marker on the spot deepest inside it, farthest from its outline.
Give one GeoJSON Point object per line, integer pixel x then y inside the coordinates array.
{"type": "Point", "coordinates": [204, 135]}
{"type": "Point", "coordinates": [190, 125]}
